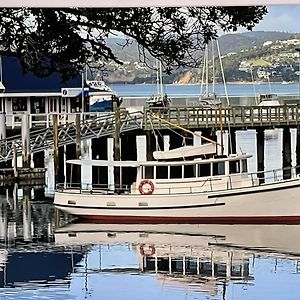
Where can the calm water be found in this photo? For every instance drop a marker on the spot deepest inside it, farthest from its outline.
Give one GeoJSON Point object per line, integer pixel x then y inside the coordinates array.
{"type": "Point", "coordinates": [108, 261]}
{"type": "Point", "coordinates": [238, 94]}
{"type": "Point", "coordinates": [195, 89]}
{"type": "Point", "coordinates": [44, 255]}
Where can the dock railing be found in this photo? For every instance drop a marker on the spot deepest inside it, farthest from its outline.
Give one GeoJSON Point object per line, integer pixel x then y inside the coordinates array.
{"type": "Point", "coordinates": [236, 116]}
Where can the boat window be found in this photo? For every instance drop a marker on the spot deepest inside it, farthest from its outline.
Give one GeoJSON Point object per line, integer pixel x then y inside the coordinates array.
{"type": "Point", "coordinates": [203, 170]}
{"type": "Point", "coordinates": [189, 171]}
{"type": "Point", "coordinates": [149, 172]}
{"type": "Point", "coordinates": [244, 166]}
{"type": "Point", "coordinates": [162, 172]}
{"type": "Point", "coordinates": [175, 172]}
{"type": "Point", "coordinates": [234, 167]}
{"type": "Point", "coordinates": [219, 168]}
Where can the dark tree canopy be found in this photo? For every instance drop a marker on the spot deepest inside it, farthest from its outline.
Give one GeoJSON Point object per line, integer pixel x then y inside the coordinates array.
{"type": "Point", "coordinates": [63, 40]}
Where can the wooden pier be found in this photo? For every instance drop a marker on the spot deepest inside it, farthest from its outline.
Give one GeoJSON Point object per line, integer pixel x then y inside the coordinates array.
{"type": "Point", "coordinates": [62, 132]}
{"type": "Point", "coordinates": [237, 117]}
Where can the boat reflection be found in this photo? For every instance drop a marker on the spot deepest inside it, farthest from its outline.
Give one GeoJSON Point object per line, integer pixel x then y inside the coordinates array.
{"type": "Point", "coordinates": [199, 256]}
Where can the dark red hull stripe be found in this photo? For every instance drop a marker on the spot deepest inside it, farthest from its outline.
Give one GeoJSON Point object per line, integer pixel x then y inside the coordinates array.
{"type": "Point", "coordinates": [192, 220]}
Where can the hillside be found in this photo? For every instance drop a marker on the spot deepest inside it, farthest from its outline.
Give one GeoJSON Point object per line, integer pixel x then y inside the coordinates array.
{"type": "Point", "coordinates": [239, 51]}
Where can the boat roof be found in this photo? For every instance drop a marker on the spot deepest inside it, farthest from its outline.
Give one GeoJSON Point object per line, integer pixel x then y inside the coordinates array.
{"type": "Point", "coordinates": [135, 164]}
{"type": "Point", "coordinates": [104, 163]}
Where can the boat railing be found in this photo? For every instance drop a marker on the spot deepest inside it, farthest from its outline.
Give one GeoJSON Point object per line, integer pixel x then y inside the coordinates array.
{"type": "Point", "coordinates": [93, 188]}
{"type": "Point", "coordinates": [209, 184]}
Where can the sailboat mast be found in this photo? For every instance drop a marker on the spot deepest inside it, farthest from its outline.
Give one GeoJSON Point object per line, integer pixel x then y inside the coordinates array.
{"type": "Point", "coordinates": [157, 77]}
{"type": "Point", "coordinates": [213, 66]}
{"type": "Point", "coordinates": [161, 80]}
{"type": "Point", "coordinates": [206, 70]}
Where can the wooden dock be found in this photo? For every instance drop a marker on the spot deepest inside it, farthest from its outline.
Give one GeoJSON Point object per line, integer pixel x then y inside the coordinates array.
{"type": "Point", "coordinates": [238, 117]}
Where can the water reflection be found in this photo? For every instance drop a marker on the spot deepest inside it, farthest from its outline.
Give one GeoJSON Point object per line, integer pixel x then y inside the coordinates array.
{"type": "Point", "coordinates": [47, 254]}
{"type": "Point", "coordinates": [200, 258]}
{"type": "Point", "coordinates": [28, 254]}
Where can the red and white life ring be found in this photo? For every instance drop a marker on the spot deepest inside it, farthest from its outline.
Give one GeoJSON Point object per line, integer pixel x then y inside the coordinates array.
{"type": "Point", "coordinates": [148, 184]}
{"type": "Point", "coordinates": [147, 250]}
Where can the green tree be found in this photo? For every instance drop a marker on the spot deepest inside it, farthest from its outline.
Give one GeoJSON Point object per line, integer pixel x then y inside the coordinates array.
{"type": "Point", "coordinates": [63, 40]}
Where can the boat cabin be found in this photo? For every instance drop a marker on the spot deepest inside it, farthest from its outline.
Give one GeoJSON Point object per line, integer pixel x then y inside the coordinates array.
{"type": "Point", "coordinates": [198, 175]}
{"type": "Point", "coordinates": [268, 100]}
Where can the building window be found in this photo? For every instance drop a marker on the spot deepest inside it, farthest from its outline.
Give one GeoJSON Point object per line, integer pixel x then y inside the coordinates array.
{"type": "Point", "coordinates": [19, 104]}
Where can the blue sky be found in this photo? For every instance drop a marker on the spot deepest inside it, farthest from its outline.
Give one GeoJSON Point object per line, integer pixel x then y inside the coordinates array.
{"type": "Point", "coordinates": [281, 18]}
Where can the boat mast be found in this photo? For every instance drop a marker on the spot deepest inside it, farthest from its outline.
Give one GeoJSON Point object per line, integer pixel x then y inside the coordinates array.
{"type": "Point", "coordinates": [157, 77]}
{"type": "Point", "coordinates": [206, 70]}
{"type": "Point", "coordinates": [161, 79]}
{"type": "Point", "coordinates": [213, 67]}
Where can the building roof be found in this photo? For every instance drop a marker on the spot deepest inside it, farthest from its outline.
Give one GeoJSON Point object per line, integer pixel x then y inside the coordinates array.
{"type": "Point", "coordinates": [16, 81]}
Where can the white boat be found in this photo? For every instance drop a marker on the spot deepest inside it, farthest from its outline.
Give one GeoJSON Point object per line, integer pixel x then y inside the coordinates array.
{"type": "Point", "coordinates": [101, 96]}
{"type": "Point", "coordinates": [210, 101]}
{"type": "Point", "coordinates": [210, 189]}
{"type": "Point", "coordinates": [268, 100]}
{"type": "Point", "coordinates": [160, 99]}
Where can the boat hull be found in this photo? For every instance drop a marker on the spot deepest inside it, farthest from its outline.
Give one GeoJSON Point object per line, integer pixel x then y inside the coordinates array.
{"type": "Point", "coordinates": [265, 204]}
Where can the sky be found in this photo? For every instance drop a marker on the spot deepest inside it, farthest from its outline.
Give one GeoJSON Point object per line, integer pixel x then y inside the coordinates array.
{"type": "Point", "coordinates": [281, 18]}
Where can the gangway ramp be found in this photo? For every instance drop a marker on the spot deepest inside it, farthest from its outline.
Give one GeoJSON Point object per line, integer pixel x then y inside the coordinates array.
{"type": "Point", "coordinates": [93, 127]}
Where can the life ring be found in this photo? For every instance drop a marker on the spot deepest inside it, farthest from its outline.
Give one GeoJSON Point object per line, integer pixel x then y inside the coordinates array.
{"type": "Point", "coordinates": [147, 250]}
{"type": "Point", "coordinates": [146, 182]}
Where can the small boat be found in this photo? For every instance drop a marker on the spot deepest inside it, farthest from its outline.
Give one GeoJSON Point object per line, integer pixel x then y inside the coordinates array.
{"type": "Point", "coordinates": [210, 101]}
{"type": "Point", "coordinates": [268, 100]}
{"type": "Point", "coordinates": [211, 188]}
{"type": "Point", "coordinates": [159, 101]}
{"type": "Point", "coordinates": [102, 98]}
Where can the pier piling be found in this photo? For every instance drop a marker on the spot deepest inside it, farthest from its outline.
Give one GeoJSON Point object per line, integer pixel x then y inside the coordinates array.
{"type": "Point", "coordinates": [55, 148]}
{"type": "Point", "coordinates": [25, 133]}
{"type": "Point", "coordinates": [286, 153]}
{"type": "Point", "coordinates": [260, 144]}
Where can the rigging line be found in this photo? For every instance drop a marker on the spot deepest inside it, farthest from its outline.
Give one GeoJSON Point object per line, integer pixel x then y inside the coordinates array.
{"type": "Point", "coordinates": [175, 132]}
{"type": "Point", "coordinates": [202, 76]}
{"type": "Point", "coordinates": [213, 68]}
{"type": "Point", "coordinates": [184, 129]}
{"type": "Point", "coordinates": [227, 98]}
{"type": "Point", "coordinates": [156, 141]}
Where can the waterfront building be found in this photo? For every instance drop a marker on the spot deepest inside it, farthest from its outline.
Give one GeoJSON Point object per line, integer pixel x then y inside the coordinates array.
{"type": "Point", "coordinates": [27, 93]}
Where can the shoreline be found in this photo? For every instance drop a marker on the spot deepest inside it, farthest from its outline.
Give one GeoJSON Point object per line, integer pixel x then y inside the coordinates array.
{"type": "Point", "coordinates": [219, 83]}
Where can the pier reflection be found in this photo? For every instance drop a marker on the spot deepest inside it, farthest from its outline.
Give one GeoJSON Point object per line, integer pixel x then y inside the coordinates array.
{"type": "Point", "coordinates": [29, 257]}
